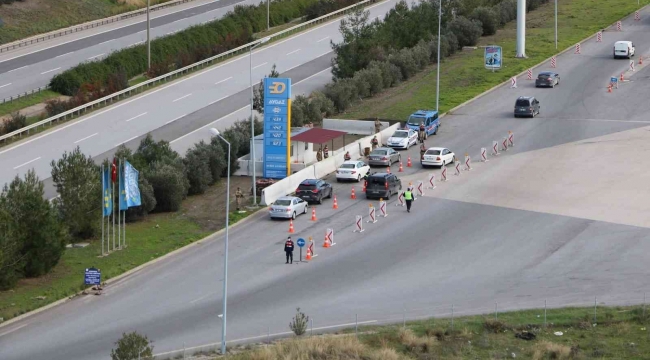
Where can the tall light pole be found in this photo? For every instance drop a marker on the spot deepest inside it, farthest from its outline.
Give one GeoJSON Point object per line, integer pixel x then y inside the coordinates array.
{"type": "Point", "coordinates": [262, 41]}
{"type": "Point", "coordinates": [148, 38]}
{"type": "Point", "coordinates": [215, 132]}
{"type": "Point", "coordinates": [268, 12]}
{"type": "Point", "coordinates": [521, 29]}
{"type": "Point", "coordinates": [438, 63]}
{"type": "Point", "coordinates": [555, 24]}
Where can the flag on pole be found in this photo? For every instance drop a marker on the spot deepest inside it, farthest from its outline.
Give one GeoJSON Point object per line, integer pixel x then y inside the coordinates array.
{"type": "Point", "coordinates": [107, 193]}
{"type": "Point", "coordinates": [122, 190]}
{"type": "Point", "coordinates": [131, 189]}
{"type": "Point", "coordinates": [114, 171]}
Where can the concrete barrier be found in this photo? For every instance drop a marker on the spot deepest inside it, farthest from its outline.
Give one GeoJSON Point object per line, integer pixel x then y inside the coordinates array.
{"type": "Point", "coordinates": [356, 127]}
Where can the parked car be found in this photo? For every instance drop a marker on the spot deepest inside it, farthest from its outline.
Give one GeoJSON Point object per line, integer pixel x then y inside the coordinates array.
{"type": "Point", "coordinates": [526, 106]}
{"type": "Point", "coordinates": [314, 190]}
{"type": "Point", "coordinates": [352, 170]}
{"type": "Point", "coordinates": [624, 49]}
{"type": "Point", "coordinates": [437, 156]}
{"type": "Point", "coordinates": [287, 207]}
{"type": "Point", "coordinates": [383, 157]}
{"type": "Point", "coordinates": [547, 79]}
{"type": "Point", "coordinates": [403, 139]}
{"type": "Point", "coordinates": [382, 185]}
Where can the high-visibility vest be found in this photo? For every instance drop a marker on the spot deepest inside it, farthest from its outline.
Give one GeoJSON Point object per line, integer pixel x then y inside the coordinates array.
{"type": "Point", "coordinates": [408, 195]}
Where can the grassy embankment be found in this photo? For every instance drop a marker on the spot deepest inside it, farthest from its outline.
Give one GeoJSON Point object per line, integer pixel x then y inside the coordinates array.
{"type": "Point", "coordinates": [462, 76]}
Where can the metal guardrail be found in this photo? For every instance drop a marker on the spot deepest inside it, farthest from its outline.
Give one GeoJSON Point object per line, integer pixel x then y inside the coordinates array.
{"type": "Point", "coordinates": [88, 25]}
{"type": "Point", "coordinates": [174, 74]}
{"type": "Point", "coordinates": [26, 93]}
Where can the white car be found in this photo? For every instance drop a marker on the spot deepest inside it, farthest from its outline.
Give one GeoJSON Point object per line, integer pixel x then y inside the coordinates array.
{"type": "Point", "coordinates": [287, 207]}
{"type": "Point", "coordinates": [352, 170]}
{"type": "Point", "coordinates": [403, 139]}
{"type": "Point", "coordinates": [624, 49]}
{"type": "Point", "coordinates": [437, 156]}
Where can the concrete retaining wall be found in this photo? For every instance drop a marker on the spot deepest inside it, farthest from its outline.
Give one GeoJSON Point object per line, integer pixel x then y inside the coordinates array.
{"type": "Point", "coordinates": [355, 127]}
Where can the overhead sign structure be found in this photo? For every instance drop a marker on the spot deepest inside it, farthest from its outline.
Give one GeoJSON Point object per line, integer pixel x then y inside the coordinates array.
{"type": "Point", "coordinates": [493, 57]}
{"type": "Point", "coordinates": [93, 276]}
{"type": "Point", "coordinates": [277, 128]}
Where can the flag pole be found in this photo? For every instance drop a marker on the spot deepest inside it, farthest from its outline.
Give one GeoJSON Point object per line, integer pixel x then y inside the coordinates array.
{"type": "Point", "coordinates": [102, 175]}
{"type": "Point", "coordinates": [119, 199]}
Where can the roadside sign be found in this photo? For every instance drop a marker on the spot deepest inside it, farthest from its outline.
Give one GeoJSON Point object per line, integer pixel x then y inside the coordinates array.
{"type": "Point", "coordinates": [301, 242]}
{"type": "Point", "coordinates": [492, 58]}
{"type": "Point", "coordinates": [613, 80]}
{"type": "Point", "coordinates": [93, 276]}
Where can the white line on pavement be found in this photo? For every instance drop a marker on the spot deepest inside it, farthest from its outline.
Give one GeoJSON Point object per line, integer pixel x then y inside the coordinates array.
{"type": "Point", "coordinates": [135, 137]}
{"type": "Point", "coordinates": [50, 71]}
{"type": "Point", "coordinates": [323, 39]}
{"type": "Point", "coordinates": [137, 43]}
{"type": "Point", "coordinates": [30, 161]}
{"type": "Point", "coordinates": [86, 138]}
{"type": "Point", "coordinates": [16, 69]}
{"type": "Point", "coordinates": [203, 297]}
{"type": "Point", "coordinates": [172, 120]}
{"type": "Point", "coordinates": [104, 42]}
{"type": "Point", "coordinates": [219, 99]}
{"type": "Point", "coordinates": [12, 330]}
{"type": "Point", "coordinates": [219, 82]}
{"type": "Point", "coordinates": [293, 52]}
{"type": "Point", "coordinates": [65, 54]}
{"type": "Point", "coordinates": [135, 117]}
{"type": "Point", "coordinates": [1, 86]}
{"type": "Point", "coordinates": [262, 64]}
{"type": "Point", "coordinates": [96, 56]}
{"type": "Point", "coordinates": [182, 97]}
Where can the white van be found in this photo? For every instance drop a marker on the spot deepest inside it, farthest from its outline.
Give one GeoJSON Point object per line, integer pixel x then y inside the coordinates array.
{"type": "Point", "coordinates": [623, 49]}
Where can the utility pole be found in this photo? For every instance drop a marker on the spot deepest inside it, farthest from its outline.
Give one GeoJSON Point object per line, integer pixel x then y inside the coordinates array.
{"type": "Point", "coordinates": [148, 37]}
{"type": "Point", "coordinates": [555, 24]}
{"type": "Point", "coordinates": [438, 63]}
{"type": "Point", "coordinates": [521, 28]}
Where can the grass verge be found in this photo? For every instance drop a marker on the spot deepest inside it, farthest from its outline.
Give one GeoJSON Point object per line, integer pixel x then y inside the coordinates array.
{"type": "Point", "coordinates": [462, 76]}
{"type": "Point", "coordinates": [27, 101]}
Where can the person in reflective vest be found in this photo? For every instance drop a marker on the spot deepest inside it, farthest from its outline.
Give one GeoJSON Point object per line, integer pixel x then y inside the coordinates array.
{"type": "Point", "coordinates": [408, 197]}
{"type": "Point", "coordinates": [288, 249]}
{"type": "Point", "coordinates": [347, 156]}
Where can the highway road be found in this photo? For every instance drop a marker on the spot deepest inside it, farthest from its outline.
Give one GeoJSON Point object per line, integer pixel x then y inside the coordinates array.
{"type": "Point", "coordinates": [33, 66]}
{"type": "Point", "coordinates": [461, 248]}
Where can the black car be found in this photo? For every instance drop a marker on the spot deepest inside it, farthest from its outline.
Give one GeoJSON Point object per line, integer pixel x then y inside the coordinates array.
{"type": "Point", "coordinates": [382, 185]}
{"type": "Point", "coordinates": [526, 106]}
{"type": "Point", "coordinates": [314, 190]}
{"type": "Point", "coordinates": [547, 79]}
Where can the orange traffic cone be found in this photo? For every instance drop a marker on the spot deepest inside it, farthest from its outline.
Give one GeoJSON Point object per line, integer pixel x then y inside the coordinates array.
{"type": "Point", "coordinates": [352, 195]}
{"type": "Point", "coordinates": [609, 89]}
{"type": "Point", "coordinates": [313, 214]}
{"type": "Point", "coordinates": [408, 162]}
{"type": "Point", "coordinates": [641, 60]}
{"type": "Point", "coordinates": [388, 169]}
{"type": "Point", "coordinates": [291, 226]}
{"type": "Point", "coordinates": [336, 204]}
{"type": "Point", "coordinates": [308, 254]}
{"type": "Point", "coordinates": [363, 189]}
{"type": "Point", "coordinates": [326, 243]}
{"type": "Point", "coordinates": [401, 169]}
{"type": "Point", "coordinates": [622, 77]}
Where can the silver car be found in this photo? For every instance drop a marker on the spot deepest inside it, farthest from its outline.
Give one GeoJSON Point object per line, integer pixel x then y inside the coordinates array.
{"type": "Point", "coordinates": [287, 207]}
{"type": "Point", "coordinates": [383, 156]}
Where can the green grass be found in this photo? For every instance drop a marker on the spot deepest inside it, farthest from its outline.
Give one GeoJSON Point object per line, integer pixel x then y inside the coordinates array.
{"type": "Point", "coordinates": [27, 101]}
{"type": "Point", "coordinates": [463, 76]}
{"type": "Point", "coordinates": [138, 79]}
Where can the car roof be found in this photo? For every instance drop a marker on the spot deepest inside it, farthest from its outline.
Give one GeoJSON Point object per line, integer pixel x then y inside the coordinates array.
{"type": "Point", "coordinates": [526, 97]}
{"type": "Point", "coordinates": [435, 148]}
{"type": "Point", "coordinates": [424, 113]}
{"type": "Point", "coordinates": [546, 73]}
{"type": "Point", "coordinates": [286, 198]}
{"type": "Point", "coordinates": [622, 42]}
{"type": "Point", "coordinates": [382, 148]}
{"type": "Point", "coordinates": [309, 182]}
{"type": "Point", "coordinates": [381, 174]}
{"type": "Point", "coordinates": [351, 162]}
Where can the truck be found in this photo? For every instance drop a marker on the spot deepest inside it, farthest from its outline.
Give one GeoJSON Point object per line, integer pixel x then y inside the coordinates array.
{"type": "Point", "coordinates": [428, 117]}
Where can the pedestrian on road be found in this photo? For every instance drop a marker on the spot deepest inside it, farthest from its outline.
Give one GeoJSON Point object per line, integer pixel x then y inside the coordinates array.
{"type": "Point", "coordinates": [238, 197]}
{"type": "Point", "coordinates": [408, 197]}
{"type": "Point", "coordinates": [288, 249]}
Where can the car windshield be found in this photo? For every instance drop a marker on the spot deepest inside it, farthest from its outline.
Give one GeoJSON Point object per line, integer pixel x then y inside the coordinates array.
{"type": "Point", "coordinates": [401, 134]}
{"type": "Point", "coordinates": [522, 102]}
{"type": "Point", "coordinates": [347, 166]}
{"type": "Point", "coordinates": [415, 120]}
{"type": "Point", "coordinates": [544, 76]}
{"type": "Point", "coordinates": [432, 152]}
{"type": "Point", "coordinates": [378, 152]}
{"type": "Point", "coordinates": [282, 202]}
{"type": "Point", "coordinates": [307, 186]}
{"type": "Point", "coordinates": [377, 180]}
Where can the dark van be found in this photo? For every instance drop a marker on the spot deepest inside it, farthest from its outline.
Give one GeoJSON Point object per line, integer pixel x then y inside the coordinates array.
{"type": "Point", "coordinates": [526, 106]}
{"type": "Point", "coordinates": [382, 185]}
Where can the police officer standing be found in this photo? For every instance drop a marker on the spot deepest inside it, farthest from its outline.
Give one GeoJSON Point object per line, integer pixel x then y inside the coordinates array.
{"type": "Point", "coordinates": [288, 249]}
{"type": "Point", "coordinates": [377, 125]}
{"type": "Point", "coordinates": [374, 142]}
{"type": "Point", "coordinates": [408, 197]}
{"type": "Point", "coordinates": [347, 156]}
{"type": "Point", "coordinates": [238, 197]}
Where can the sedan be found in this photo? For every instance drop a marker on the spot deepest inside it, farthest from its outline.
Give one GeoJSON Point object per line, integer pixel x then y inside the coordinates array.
{"type": "Point", "coordinates": [383, 157]}
{"type": "Point", "coordinates": [547, 79]}
{"type": "Point", "coordinates": [437, 156]}
{"type": "Point", "coordinates": [287, 207]}
{"type": "Point", "coordinates": [314, 190]}
{"type": "Point", "coordinates": [403, 139]}
{"type": "Point", "coordinates": [352, 170]}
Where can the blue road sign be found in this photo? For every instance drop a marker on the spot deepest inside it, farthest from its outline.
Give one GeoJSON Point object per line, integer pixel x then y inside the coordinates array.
{"type": "Point", "coordinates": [301, 242]}
{"type": "Point", "coordinates": [613, 79]}
{"type": "Point", "coordinates": [93, 276]}
{"type": "Point", "coordinates": [277, 127]}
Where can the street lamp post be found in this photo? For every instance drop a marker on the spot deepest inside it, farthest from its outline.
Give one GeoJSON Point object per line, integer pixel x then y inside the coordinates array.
{"type": "Point", "coordinates": [148, 38]}
{"type": "Point", "coordinates": [438, 63]}
{"type": "Point", "coordinates": [215, 132]}
{"type": "Point", "coordinates": [555, 24]}
{"type": "Point", "coordinates": [262, 41]}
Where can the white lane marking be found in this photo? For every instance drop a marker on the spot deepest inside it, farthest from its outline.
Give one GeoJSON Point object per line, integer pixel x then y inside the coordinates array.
{"type": "Point", "coordinates": [137, 116]}
{"type": "Point", "coordinates": [29, 162]}
{"type": "Point", "coordinates": [96, 56]}
{"type": "Point", "coordinates": [295, 66]}
{"type": "Point", "coordinates": [50, 71]}
{"type": "Point", "coordinates": [86, 138]}
{"type": "Point", "coordinates": [182, 97]}
{"type": "Point", "coordinates": [104, 42]}
{"type": "Point", "coordinates": [609, 120]}
{"type": "Point", "coordinates": [219, 99]}
{"type": "Point", "coordinates": [245, 107]}
{"type": "Point", "coordinates": [219, 82]}
{"type": "Point", "coordinates": [22, 67]}
{"type": "Point", "coordinates": [1, 86]}
{"type": "Point", "coordinates": [138, 43]}
{"type": "Point", "coordinates": [203, 297]}
{"type": "Point", "coordinates": [65, 54]}
{"type": "Point", "coordinates": [323, 39]}
{"type": "Point", "coordinates": [172, 120]}
{"type": "Point", "coordinates": [178, 20]}
{"type": "Point", "coordinates": [12, 330]}
{"type": "Point", "coordinates": [135, 137]}
{"type": "Point", "coordinates": [262, 64]}
{"type": "Point", "coordinates": [293, 52]}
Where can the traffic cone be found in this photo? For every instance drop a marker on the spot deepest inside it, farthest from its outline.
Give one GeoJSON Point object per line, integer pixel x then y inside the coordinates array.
{"type": "Point", "coordinates": [326, 244]}
{"type": "Point", "coordinates": [363, 189]}
{"type": "Point", "coordinates": [622, 77]}
{"type": "Point", "coordinates": [401, 169]}
{"type": "Point", "coordinates": [336, 204]}
{"type": "Point", "coordinates": [641, 60]}
{"type": "Point", "coordinates": [313, 214]}
{"type": "Point", "coordinates": [408, 162]}
{"type": "Point", "coordinates": [388, 169]}
{"type": "Point", "coordinates": [352, 195]}
{"type": "Point", "coordinates": [609, 89]}
{"type": "Point", "coordinates": [291, 226]}
{"type": "Point", "coordinates": [308, 254]}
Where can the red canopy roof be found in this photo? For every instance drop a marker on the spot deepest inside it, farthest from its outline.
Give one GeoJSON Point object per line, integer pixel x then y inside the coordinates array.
{"type": "Point", "coordinates": [317, 135]}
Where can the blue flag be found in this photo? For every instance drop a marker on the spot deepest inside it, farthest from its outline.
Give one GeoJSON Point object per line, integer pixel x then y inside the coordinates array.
{"type": "Point", "coordinates": [107, 193]}
{"type": "Point", "coordinates": [122, 197]}
{"type": "Point", "coordinates": [131, 189]}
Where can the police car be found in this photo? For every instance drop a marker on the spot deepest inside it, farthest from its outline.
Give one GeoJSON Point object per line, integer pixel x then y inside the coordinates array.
{"type": "Point", "coordinates": [403, 139]}
{"type": "Point", "coordinates": [429, 118]}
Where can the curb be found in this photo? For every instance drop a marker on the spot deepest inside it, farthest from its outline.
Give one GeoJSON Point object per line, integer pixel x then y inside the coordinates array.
{"type": "Point", "coordinates": [535, 66]}
{"type": "Point", "coordinates": [257, 214]}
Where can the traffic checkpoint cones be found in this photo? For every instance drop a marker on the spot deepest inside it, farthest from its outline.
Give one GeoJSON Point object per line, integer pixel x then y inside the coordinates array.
{"type": "Point", "coordinates": [313, 214]}
{"type": "Point", "coordinates": [388, 169]}
{"type": "Point", "coordinates": [291, 226]}
{"type": "Point", "coordinates": [622, 78]}
{"type": "Point", "coordinates": [401, 169]}
{"type": "Point", "coordinates": [329, 238]}
{"type": "Point", "coordinates": [609, 88]}
{"type": "Point", "coordinates": [408, 162]}
{"type": "Point", "coordinates": [353, 195]}
{"type": "Point", "coordinates": [336, 204]}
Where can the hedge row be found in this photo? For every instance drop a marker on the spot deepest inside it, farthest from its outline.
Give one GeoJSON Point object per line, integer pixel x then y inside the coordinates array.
{"type": "Point", "coordinates": [188, 46]}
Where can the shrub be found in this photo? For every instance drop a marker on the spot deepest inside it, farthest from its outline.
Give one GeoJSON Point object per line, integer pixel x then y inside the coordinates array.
{"type": "Point", "coordinates": [132, 346]}
{"type": "Point", "coordinates": [324, 7]}
{"type": "Point", "coordinates": [56, 106]}
{"type": "Point", "coordinates": [169, 186]}
{"type": "Point", "coordinates": [467, 31]}
{"type": "Point", "coordinates": [299, 111]}
{"type": "Point", "coordinates": [361, 80]}
{"type": "Point", "coordinates": [319, 106]}
{"type": "Point", "coordinates": [421, 54]}
{"type": "Point", "coordinates": [369, 81]}
{"type": "Point", "coordinates": [488, 18]}
{"type": "Point", "coordinates": [11, 261]}
{"type": "Point", "coordinates": [452, 42]}
{"type": "Point", "coordinates": [506, 11]}
{"type": "Point", "coordinates": [150, 151]}
{"type": "Point", "coordinates": [342, 93]}
{"type": "Point", "coordinates": [390, 74]}
{"type": "Point", "coordinates": [197, 162]}
{"type": "Point", "coordinates": [17, 121]}
{"type": "Point", "coordinates": [404, 60]}
{"type": "Point", "coordinates": [299, 323]}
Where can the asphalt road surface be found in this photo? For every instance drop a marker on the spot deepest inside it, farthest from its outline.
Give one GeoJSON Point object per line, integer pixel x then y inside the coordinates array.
{"type": "Point", "coordinates": [32, 67]}
{"type": "Point", "coordinates": [445, 252]}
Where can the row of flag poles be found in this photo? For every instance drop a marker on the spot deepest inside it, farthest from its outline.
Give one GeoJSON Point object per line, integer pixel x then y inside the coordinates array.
{"type": "Point", "coordinates": [123, 173]}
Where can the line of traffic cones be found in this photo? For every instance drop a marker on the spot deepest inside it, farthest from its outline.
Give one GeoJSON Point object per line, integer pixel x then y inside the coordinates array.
{"type": "Point", "coordinates": [326, 243]}
{"type": "Point", "coordinates": [401, 169]}
{"type": "Point", "coordinates": [408, 162]}
{"type": "Point", "coordinates": [353, 195]}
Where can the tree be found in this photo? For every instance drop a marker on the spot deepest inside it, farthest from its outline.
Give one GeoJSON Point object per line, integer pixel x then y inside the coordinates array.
{"type": "Point", "coordinates": [467, 31]}
{"type": "Point", "coordinates": [217, 157]}
{"type": "Point", "coordinates": [17, 121]}
{"type": "Point", "coordinates": [132, 346]}
{"type": "Point", "coordinates": [169, 186]}
{"type": "Point", "coordinates": [489, 19]}
{"type": "Point", "coordinates": [353, 52]}
{"type": "Point", "coordinates": [197, 162]}
{"type": "Point", "coordinates": [299, 323]}
{"type": "Point", "coordinates": [150, 151]}
{"type": "Point", "coordinates": [77, 180]}
{"type": "Point", "coordinates": [258, 93]}
{"type": "Point", "coordinates": [11, 260]}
